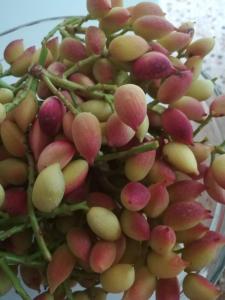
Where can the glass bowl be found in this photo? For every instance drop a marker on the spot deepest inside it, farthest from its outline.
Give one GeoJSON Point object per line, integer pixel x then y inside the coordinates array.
{"type": "Point", "coordinates": [32, 33]}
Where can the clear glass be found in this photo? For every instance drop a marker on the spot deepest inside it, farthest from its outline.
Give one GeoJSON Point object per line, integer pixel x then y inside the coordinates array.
{"type": "Point", "coordinates": [33, 33]}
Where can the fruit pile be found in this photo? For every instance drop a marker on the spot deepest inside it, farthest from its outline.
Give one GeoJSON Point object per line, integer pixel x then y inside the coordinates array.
{"type": "Point", "coordinates": [101, 162]}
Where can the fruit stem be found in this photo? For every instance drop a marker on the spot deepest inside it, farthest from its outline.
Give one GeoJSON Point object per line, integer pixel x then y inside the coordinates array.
{"type": "Point", "coordinates": [80, 64]}
{"type": "Point", "coordinates": [6, 234]}
{"type": "Point", "coordinates": [3, 84]}
{"type": "Point", "coordinates": [34, 222]}
{"type": "Point", "coordinates": [57, 93]}
{"type": "Point", "coordinates": [68, 291]}
{"type": "Point", "coordinates": [202, 125]}
{"type": "Point", "coordinates": [27, 260]}
{"type": "Point", "coordinates": [15, 281]}
{"type": "Point", "coordinates": [132, 151]}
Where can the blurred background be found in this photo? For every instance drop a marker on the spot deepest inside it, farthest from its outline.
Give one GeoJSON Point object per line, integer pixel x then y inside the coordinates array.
{"type": "Point", "coordinates": [209, 16]}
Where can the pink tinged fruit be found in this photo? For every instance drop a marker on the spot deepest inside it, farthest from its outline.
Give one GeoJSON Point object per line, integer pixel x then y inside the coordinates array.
{"type": "Point", "coordinates": [57, 68]}
{"type": "Point", "coordinates": [152, 27]}
{"type": "Point", "coordinates": [72, 49]}
{"type": "Point", "coordinates": [50, 116]}
{"type": "Point", "coordinates": [58, 151]}
{"type": "Point", "coordinates": [191, 107]}
{"type": "Point", "coordinates": [38, 140]}
{"type": "Point", "coordinates": [78, 194]}
{"type": "Point", "coordinates": [43, 91]}
{"type": "Point", "coordinates": [60, 267]}
{"type": "Point", "coordinates": [146, 8]}
{"type": "Point", "coordinates": [135, 225]}
{"type": "Point", "coordinates": [116, 3]}
{"type": "Point", "coordinates": [20, 66]}
{"type": "Point", "coordinates": [185, 215]}
{"type": "Point", "coordinates": [198, 287]}
{"type": "Point", "coordinates": [185, 190]}
{"type": "Point", "coordinates": [87, 135]}
{"type": "Point", "coordinates": [115, 20]}
{"type": "Point", "coordinates": [194, 63]}
{"type": "Point", "coordinates": [177, 125]}
{"type": "Point", "coordinates": [67, 125]}
{"type": "Point", "coordinates": [13, 50]}
{"type": "Point", "coordinates": [152, 65]}
{"type": "Point", "coordinates": [101, 199]}
{"type": "Point", "coordinates": [82, 79]}
{"type": "Point", "coordinates": [45, 296]}
{"type": "Point", "coordinates": [104, 71]}
{"type": "Point", "coordinates": [102, 256]}
{"type": "Point", "coordinates": [118, 133]}
{"type": "Point", "coordinates": [15, 203]}
{"type": "Point", "coordinates": [155, 46]}
{"type": "Point", "coordinates": [168, 289]}
{"type": "Point", "coordinates": [79, 243]}
{"type": "Point", "coordinates": [121, 244]}
{"type": "Point", "coordinates": [175, 41]}
{"type": "Point", "coordinates": [165, 266]}
{"type": "Point", "coordinates": [135, 196]}
{"type": "Point", "coordinates": [95, 40]}
{"type": "Point", "coordinates": [218, 170]}
{"type": "Point", "coordinates": [159, 200]}
{"type": "Point", "coordinates": [217, 107]}
{"type": "Point", "coordinates": [143, 286]}
{"type": "Point", "coordinates": [53, 46]}
{"type": "Point", "coordinates": [202, 252]}
{"type": "Point", "coordinates": [192, 234]}
{"type": "Point", "coordinates": [75, 174]}
{"type": "Point", "coordinates": [174, 87]}
{"type": "Point", "coordinates": [130, 105]}
{"type": "Point", "coordinates": [200, 47]}
{"type": "Point", "coordinates": [138, 166]}
{"type": "Point", "coordinates": [98, 8]}
{"type": "Point", "coordinates": [162, 239]}
{"type": "Point", "coordinates": [213, 188]}
{"type": "Point", "coordinates": [162, 173]}
{"type": "Point", "coordinates": [32, 277]}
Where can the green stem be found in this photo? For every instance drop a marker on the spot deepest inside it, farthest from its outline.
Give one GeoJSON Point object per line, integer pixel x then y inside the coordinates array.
{"type": "Point", "coordinates": [15, 281]}
{"type": "Point", "coordinates": [69, 294]}
{"type": "Point", "coordinates": [202, 125]}
{"type": "Point", "coordinates": [132, 151]}
{"type": "Point", "coordinates": [152, 104]}
{"type": "Point", "coordinates": [3, 84]}
{"type": "Point", "coordinates": [56, 92]}
{"type": "Point", "coordinates": [103, 86]}
{"type": "Point", "coordinates": [6, 234]}
{"type": "Point", "coordinates": [122, 78]}
{"type": "Point", "coordinates": [64, 33]}
{"type": "Point", "coordinates": [20, 81]}
{"type": "Point", "coordinates": [34, 222]}
{"type": "Point", "coordinates": [65, 209]}
{"type": "Point", "coordinates": [27, 260]}
{"type": "Point", "coordinates": [6, 73]}
{"type": "Point", "coordinates": [80, 64]}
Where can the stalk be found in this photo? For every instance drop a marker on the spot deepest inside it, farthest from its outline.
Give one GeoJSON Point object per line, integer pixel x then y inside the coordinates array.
{"type": "Point", "coordinates": [202, 125]}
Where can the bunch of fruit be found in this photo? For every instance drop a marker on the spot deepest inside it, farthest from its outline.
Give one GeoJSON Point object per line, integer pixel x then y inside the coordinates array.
{"type": "Point", "coordinates": [101, 164]}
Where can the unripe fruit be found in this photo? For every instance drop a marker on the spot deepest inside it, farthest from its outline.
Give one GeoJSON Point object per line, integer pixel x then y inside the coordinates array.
{"type": "Point", "coordinates": [32, 277]}
{"type": "Point", "coordinates": [13, 171]}
{"type": "Point", "coordinates": [53, 46]}
{"type": "Point", "coordinates": [138, 166]}
{"type": "Point", "coordinates": [218, 171]}
{"type": "Point", "coordinates": [57, 69]}
{"type": "Point", "coordinates": [121, 244]}
{"type": "Point", "coordinates": [162, 239]}
{"type": "Point", "coordinates": [161, 173]}
{"type": "Point", "coordinates": [181, 157]}
{"type": "Point", "coordinates": [75, 174]}
{"type": "Point", "coordinates": [201, 89]}
{"type": "Point", "coordinates": [95, 40]}
{"type": "Point", "coordinates": [194, 63]}
{"type": "Point", "coordinates": [72, 49]}
{"type": "Point", "coordinates": [132, 252]}
{"type": "Point", "coordinates": [2, 113]}
{"type": "Point", "coordinates": [118, 278]}
{"type": "Point", "coordinates": [45, 296]}
{"type": "Point", "coordinates": [168, 266]}
{"type": "Point", "coordinates": [6, 95]}
{"type": "Point", "coordinates": [185, 215]}
{"type": "Point", "coordinates": [67, 125]}
{"type": "Point", "coordinates": [217, 107]}
{"type": "Point", "coordinates": [21, 242]}
{"type": "Point", "coordinates": [57, 152]}
{"type": "Point", "coordinates": [197, 287]}
{"type": "Point", "coordinates": [82, 79]}
{"type": "Point", "coordinates": [20, 66]}
{"type": "Point", "coordinates": [48, 188]}
{"type": "Point", "coordinates": [213, 188]}
{"type": "Point", "coordinates": [79, 243]}
{"type": "Point", "coordinates": [117, 133]}
{"type": "Point", "coordinates": [201, 47]}
{"type": "Point", "coordinates": [115, 20]}
{"type": "Point", "coordinates": [135, 196]}
{"type": "Point", "coordinates": [142, 129]}
{"type": "Point", "coordinates": [13, 50]}
{"type": "Point", "coordinates": [130, 105]}
{"type": "Point", "coordinates": [36, 57]}
{"type": "Point", "coordinates": [100, 109]}
{"type": "Point", "coordinates": [152, 27]}
{"type": "Point", "coordinates": [167, 289]}
{"type": "Point", "coordinates": [98, 9]}
{"type": "Point", "coordinates": [104, 71]}
{"type": "Point", "coordinates": [50, 116]}
{"type": "Point", "coordinates": [101, 199]}
{"type": "Point", "coordinates": [97, 293]}
{"type": "Point", "coordinates": [143, 286]}
{"type": "Point", "coordinates": [192, 234]}
{"type": "Point", "coordinates": [12, 138]}
{"type": "Point", "coordinates": [60, 267]}
{"type": "Point", "coordinates": [97, 216]}
{"type": "Point", "coordinates": [146, 8]}
{"type": "Point", "coordinates": [152, 65]}
{"type": "Point", "coordinates": [102, 256]}
{"type": "Point", "coordinates": [87, 136]}
{"type": "Point", "coordinates": [159, 200]}
{"type": "Point", "coordinates": [135, 225]}
{"type": "Point", "coordinates": [128, 47]}
{"type": "Point", "coordinates": [191, 107]}
{"type": "Point", "coordinates": [15, 203]}
{"type": "Point", "coordinates": [175, 41]}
